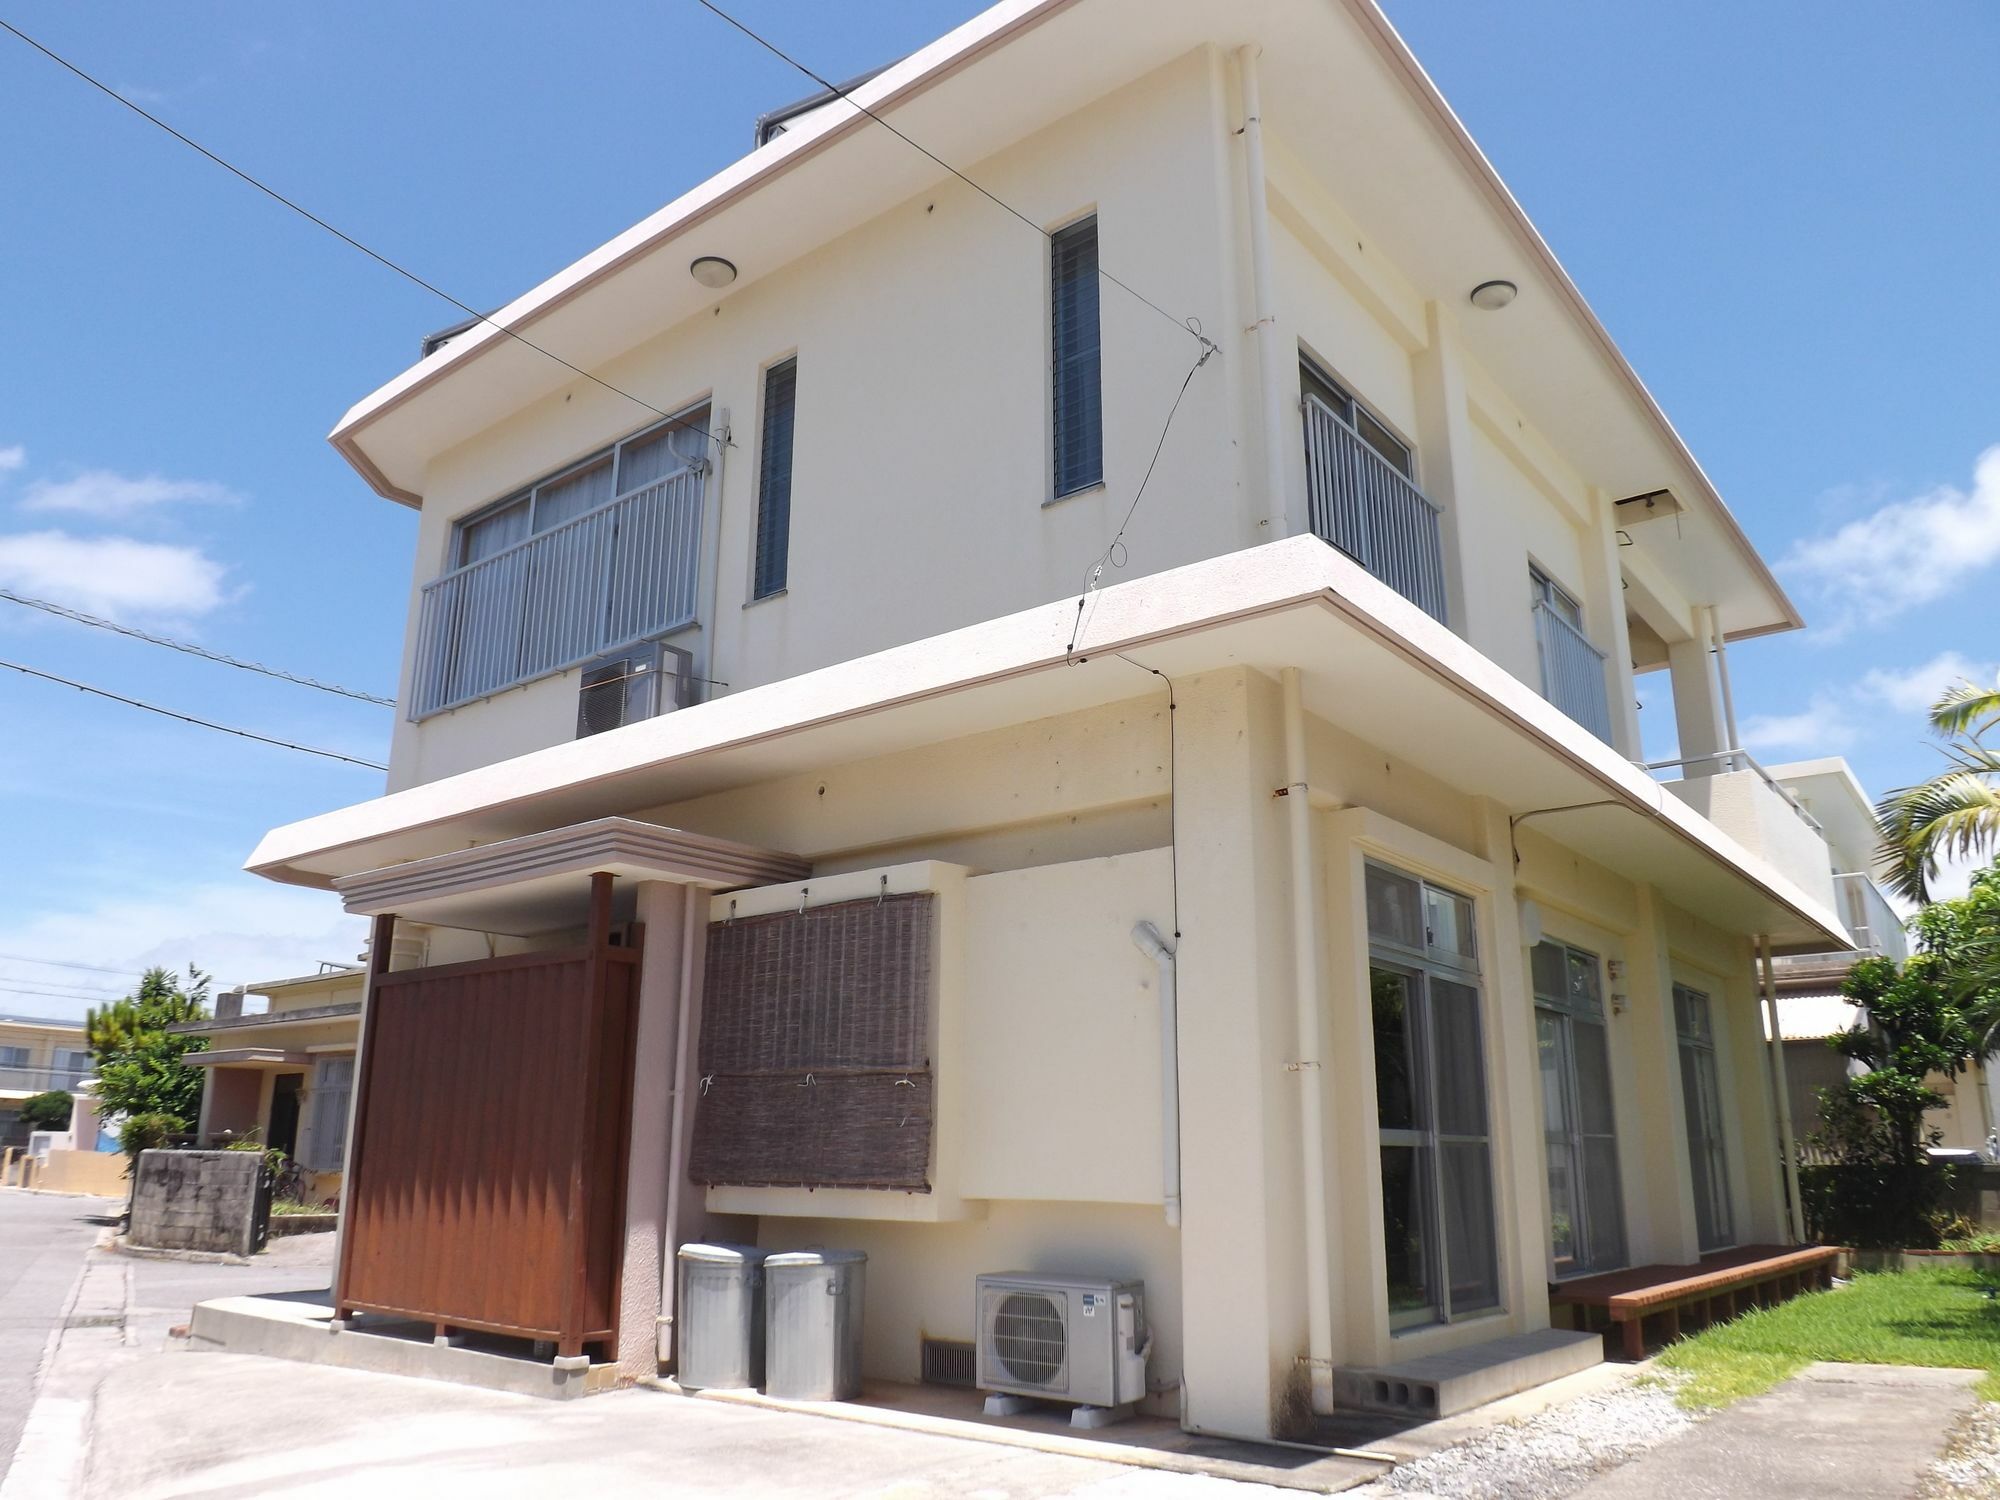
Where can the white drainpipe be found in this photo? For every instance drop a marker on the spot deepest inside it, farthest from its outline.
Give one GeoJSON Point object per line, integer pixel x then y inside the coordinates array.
{"type": "Point", "coordinates": [1721, 650]}
{"type": "Point", "coordinates": [1150, 943]}
{"type": "Point", "coordinates": [1276, 522]}
{"type": "Point", "coordinates": [694, 928]}
{"type": "Point", "coordinates": [1305, 1003]}
{"type": "Point", "coordinates": [1781, 1087]}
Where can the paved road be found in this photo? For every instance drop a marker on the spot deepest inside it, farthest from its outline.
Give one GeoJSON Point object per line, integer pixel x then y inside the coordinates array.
{"type": "Point", "coordinates": [43, 1239]}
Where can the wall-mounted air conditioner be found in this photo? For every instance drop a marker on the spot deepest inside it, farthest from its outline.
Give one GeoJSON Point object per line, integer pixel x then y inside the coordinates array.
{"type": "Point", "coordinates": [618, 690]}
{"type": "Point", "coordinates": [1080, 1339]}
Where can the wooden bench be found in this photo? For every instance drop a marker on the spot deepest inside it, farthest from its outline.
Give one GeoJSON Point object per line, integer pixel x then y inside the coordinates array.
{"type": "Point", "coordinates": [1715, 1288]}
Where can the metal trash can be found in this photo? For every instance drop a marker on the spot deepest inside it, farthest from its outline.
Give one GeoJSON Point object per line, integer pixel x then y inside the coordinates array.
{"type": "Point", "coordinates": [719, 1317]}
{"type": "Point", "coordinates": [813, 1324]}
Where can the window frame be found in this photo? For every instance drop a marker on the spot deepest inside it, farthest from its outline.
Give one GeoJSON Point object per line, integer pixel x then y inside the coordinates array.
{"type": "Point", "coordinates": [1699, 1060]}
{"type": "Point", "coordinates": [1316, 383]}
{"type": "Point", "coordinates": [1551, 595]}
{"type": "Point", "coordinates": [1421, 968]}
{"type": "Point", "coordinates": [1564, 1010]}
{"type": "Point", "coordinates": [1089, 474]}
{"type": "Point", "coordinates": [320, 1105]}
{"type": "Point", "coordinates": [761, 587]}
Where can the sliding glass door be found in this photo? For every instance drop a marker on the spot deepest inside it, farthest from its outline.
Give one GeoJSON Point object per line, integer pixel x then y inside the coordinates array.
{"type": "Point", "coordinates": [1430, 1083]}
{"type": "Point", "coordinates": [1586, 1204]}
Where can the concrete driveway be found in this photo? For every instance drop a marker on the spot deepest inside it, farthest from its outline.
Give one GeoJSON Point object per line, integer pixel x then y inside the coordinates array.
{"type": "Point", "coordinates": [43, 1240]}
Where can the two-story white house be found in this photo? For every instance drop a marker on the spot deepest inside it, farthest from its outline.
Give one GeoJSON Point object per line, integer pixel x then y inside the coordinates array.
{"type": "Point", "coordinates": [840, 807]}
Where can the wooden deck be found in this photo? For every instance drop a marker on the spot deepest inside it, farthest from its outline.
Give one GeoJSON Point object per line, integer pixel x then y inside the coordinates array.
{"type": "Point", "coordinates": [1713, 1289]}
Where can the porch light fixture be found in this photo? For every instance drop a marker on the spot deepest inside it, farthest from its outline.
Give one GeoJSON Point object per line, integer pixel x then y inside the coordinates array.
{"type": "Point", "coordinates": [712, 271]}
{"type": "Point", "coordinates": [1491, 296]}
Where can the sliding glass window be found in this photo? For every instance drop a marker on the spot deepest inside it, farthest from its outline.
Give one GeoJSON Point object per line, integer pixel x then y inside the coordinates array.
{"type": "Point", "coordinates": [1701, 1095]}
{"type": "Point", "coordinates": [1586, 1208]}
{"type": "Point", "coordinates": [1430, 1085]}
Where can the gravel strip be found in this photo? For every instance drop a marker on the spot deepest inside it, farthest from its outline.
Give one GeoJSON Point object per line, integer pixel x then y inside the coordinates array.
{"type": "Point", "coordinates": [1547, 1455]}
{"type": "Point", "coordinates": [1969, 1468]}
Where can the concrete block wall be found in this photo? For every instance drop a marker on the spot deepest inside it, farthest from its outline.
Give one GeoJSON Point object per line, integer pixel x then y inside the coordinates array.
{"type": "Point", "coordinates": [200, 1200]}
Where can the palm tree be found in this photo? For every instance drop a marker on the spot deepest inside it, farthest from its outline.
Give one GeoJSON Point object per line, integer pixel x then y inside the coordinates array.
{"type": "Point", "coordinates": [1956, 812]}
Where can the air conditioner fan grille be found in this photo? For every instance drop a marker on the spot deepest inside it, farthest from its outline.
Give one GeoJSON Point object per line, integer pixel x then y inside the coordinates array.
{"type": "Point", "coordinates": [1029, 1338]}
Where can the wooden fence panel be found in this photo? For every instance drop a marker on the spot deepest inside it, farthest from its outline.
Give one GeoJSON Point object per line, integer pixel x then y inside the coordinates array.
{"type": "Point", "coordinates": [486, 1189]}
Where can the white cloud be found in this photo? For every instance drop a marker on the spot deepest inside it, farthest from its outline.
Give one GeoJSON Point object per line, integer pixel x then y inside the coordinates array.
{"type": "Point", "coordinates": [240, 930]}
{"type": "Point", "coordinates": [1904, 554]}
{"type": "Point", "coordinates": [1823, 728]}
{"type": "Point", "coordinates": [12, 457]}
{"type": "Point", "coordinates": [100, 492]}
{"type": "Point", "coordinates": [112, 575]}
{"type": "Point", "coordinates": [1912, 690]}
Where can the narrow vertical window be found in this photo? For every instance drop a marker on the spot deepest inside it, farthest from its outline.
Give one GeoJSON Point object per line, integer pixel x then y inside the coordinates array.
{"type": "Point", "coordinates": [1077, 355]}
{"type": "Point", "coordinates": [1701, 1097]}
{"type": "Point", "coordinates": [1586, 1204]}
{"type": "Point", "coordinates": [774, 485]}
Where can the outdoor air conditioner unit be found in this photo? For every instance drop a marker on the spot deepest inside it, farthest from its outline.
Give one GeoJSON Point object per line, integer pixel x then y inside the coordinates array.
{"type": "Point", "coordinates": [1080, 1339]}
{"type": "Point", "coordinates": [633, 685]}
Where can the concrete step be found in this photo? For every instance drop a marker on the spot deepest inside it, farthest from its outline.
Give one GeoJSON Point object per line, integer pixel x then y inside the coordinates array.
{"type": "Point", "coordinates": [295, 1328]}
{"type": "Point", "coordinates": [1440, 1385]}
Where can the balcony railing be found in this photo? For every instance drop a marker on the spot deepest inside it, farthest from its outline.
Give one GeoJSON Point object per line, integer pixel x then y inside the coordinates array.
{"type": "Point", "coordinates": [613, 576]}
{"type": "Point", "coordinates": [1870, 918]}
{"type": "Point", "coordinates": [40, 1080]}
{"type": "Point", "coordinates": [1722, 763]}
{"type": "Point", "coordinates": [1572, 672]}
{"type": "Point", "coordinates": [1366, 507]}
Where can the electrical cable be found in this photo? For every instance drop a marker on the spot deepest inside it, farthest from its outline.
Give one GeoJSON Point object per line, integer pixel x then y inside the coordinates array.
{"type": "Point", "coordinates": [50, 607]}
{"type": "Point", "coordinates": [262, 739]}
{"type": "Point", "coordinates": [1186, 326]}
{"type": "Point", "coordinates": [56, 991]}
{"type": "Point", "coordinates": [403, 271]}
{"type": "Point", "coordinates": [64, 963]}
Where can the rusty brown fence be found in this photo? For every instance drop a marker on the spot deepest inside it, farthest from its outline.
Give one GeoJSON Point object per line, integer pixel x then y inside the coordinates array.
{"type": "Point", "coordinates": [487, 1174]}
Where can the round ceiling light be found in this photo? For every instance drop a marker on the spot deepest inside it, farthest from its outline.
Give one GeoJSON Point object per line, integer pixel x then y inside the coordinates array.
{"type": "Point", "coordinates": [713, 272]}
{"type": "Point", "coordinates": [1491, 296]}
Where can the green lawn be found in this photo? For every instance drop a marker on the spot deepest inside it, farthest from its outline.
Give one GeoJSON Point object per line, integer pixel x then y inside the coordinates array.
{"type": "Point", "coordinates": [1928, 1317]}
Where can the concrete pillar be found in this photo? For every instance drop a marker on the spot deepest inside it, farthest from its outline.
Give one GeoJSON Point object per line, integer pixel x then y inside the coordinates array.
{"type": "Point", "coordinates": [1242, 1234]}
{"type": "Point", "coordinates": [1697, 697]}
{"type": "Point", "coordinates": [662, 909]}
{"type": "Point", "coordinates": [1604, 607]}
{"type": "Point", "coordinates": [1444, 448]}
{"type": "Point", "coordinates": [1667, 1234]}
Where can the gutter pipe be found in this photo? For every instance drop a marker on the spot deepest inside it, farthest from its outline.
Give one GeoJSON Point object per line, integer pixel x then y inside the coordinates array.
{"type": "Point", "coordinates": [1720, 648]}
{"type": "Point", "coordinates": [1781, 1087]}
{"type": "Point", "coordinates": [1276, 521]}
{"type": "Point", "coordinates": [1305, 1002]}
{"type": "Point", "coordinates": [1149, 942]}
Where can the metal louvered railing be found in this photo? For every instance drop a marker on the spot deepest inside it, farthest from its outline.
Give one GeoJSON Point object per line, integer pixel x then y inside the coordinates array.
{"type": "Point", "coordinates": [625, 572]}
{"type": "Point", "coordinates": [1370, 510]}
{"type": "Point", "coordinates": [1572, 672]}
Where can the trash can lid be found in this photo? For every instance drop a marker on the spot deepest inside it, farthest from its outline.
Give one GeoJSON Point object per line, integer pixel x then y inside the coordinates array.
{"type": "Point", "coordinates": [818, 1258]}
{"type": "Point", "coordinates": [724, 1254]}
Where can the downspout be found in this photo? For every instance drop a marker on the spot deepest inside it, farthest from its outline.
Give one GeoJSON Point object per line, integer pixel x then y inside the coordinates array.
{"type": "Point", "coordinates": [694, 930]}
{"type": "Point", "coordinates": [1720, 648]}
{"type": "Point", "coordinates": [1781, 1087]}
{"type": "Point", "coordinates": [1276, 520]}
{"type": "Point", "coordinates": [1150, 943]}
{"type": "Point", "coordinates": [1305, 1007]}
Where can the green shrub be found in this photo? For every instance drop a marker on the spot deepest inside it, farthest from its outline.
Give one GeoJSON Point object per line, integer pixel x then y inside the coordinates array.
{"type": "Point", "coordinates": [148, 1132]}
{"type": "Point", "coordinates": [49, 1111]}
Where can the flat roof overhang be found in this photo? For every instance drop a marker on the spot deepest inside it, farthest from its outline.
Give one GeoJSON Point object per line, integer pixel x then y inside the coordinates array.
{"type": "Point", "coordinates": [1456, 716]}
{"type": "Point", "coordinates": [250, 1057]}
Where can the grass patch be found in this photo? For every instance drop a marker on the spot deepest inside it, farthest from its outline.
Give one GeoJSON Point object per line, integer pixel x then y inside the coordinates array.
{"type": "Point", "coordinates": [1940, 1318]}
{"type": "Point", "coordinates": [285, 1208]}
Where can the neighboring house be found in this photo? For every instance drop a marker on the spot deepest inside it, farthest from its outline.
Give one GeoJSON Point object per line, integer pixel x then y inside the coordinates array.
{"type": "Point", "coordinates": [284, 1072]}
{"type": "Point", "coordinates": [36, 1055]}
{"type": "Point", "coordinates": [776, 805]}
{"type": "Point", "coordinates": [1811, 1007]}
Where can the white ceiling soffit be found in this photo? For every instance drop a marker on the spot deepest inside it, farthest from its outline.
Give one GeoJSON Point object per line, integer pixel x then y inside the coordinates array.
{"type": "Point", "coordinates": [1458, 718]}
{"type": "Point", "coordinates": [1014, 69]}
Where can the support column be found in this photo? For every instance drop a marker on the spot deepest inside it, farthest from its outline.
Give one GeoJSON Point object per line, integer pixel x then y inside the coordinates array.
{"type": "Point", "coordinates": [1444, 448]}
{"type": "Point", "coordinates": [1669, 1184]}
{"type": "Point", "coordinates": [1698, 712]}
{"type": "Point", "coordinates": [1605, 601]}
{"type": "Point", "coordinates": [381, 941]}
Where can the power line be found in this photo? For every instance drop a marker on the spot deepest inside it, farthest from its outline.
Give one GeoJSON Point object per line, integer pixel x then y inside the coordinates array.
{"type": "Point", "coordinates": [56, 991]}
{"type": "Point", "coordinates": [1186, 326]}
{"type": "Point", "coordinates": [51, 995]}
{"type": "Point", "coordinates": [64, 963]}
{"type": "Point", "coordinates": [346, 238]}
{"type": "Point", "coordinates": [191, 649]}
{"type": "Point", "coordinates": [262, 739]}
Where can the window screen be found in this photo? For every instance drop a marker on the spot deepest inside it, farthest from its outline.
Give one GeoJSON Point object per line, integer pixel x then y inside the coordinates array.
{"type": "Point", "coordinates": [815, 1048]}
{"type": "Point", "coordinates": [774, 484]}
{"type": "Point", "coordinates": [1077, 354]}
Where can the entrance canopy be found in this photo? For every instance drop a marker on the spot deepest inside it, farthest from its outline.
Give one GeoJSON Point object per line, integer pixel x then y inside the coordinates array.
{"type": "Point", "coordinates": [1369, 660]}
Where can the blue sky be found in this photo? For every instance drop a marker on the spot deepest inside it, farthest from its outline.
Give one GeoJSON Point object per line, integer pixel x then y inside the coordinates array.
{"type": "Point", "coordinates": [1782, 212]}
